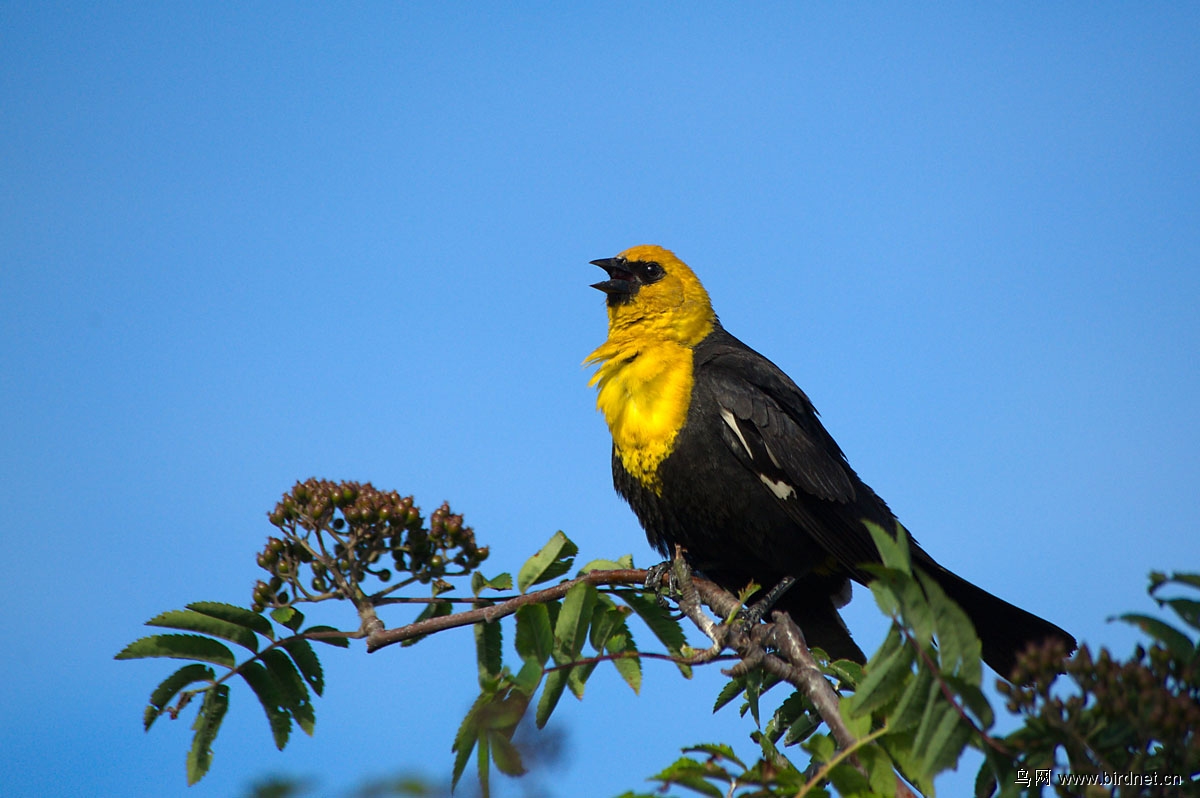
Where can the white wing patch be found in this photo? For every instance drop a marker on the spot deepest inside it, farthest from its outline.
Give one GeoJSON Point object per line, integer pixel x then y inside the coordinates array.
{"type": "Point", "coordinates": [781, 489]}
{"type": "Point", "coordinates": [731, 422]}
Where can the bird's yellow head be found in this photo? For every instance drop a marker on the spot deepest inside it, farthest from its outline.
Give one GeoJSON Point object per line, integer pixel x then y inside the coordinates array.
{"type": "Point", "coordinates": [653, 295]}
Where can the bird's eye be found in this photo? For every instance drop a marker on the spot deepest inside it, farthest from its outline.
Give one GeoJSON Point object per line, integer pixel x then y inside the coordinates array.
{"type": "Point", "coordinates": [651, 272]}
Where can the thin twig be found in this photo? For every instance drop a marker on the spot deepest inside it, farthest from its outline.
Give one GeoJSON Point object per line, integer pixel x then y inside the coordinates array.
{"type": "Point", "coordinates": [381, 638]}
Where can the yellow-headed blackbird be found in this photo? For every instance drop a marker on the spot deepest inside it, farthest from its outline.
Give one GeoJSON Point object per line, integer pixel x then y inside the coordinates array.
{"type": "Point", "coordinates": [717, 450]}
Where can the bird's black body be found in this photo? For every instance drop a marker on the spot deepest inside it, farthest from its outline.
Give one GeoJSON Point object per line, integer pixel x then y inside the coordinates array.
{"type": "Point", "coordinates": [755, 489]}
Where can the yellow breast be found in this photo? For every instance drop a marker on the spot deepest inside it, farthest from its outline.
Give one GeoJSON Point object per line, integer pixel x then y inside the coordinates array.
{"type": "Point", "coordinates": [644, 396]}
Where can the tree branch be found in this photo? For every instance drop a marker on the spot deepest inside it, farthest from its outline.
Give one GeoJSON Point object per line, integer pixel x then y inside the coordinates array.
{"type": "Point", "coordinates": [381, 638]}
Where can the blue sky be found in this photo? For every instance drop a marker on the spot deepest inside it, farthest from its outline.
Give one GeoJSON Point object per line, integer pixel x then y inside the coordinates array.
{"type": "Point", "coordinates": [242, 245]}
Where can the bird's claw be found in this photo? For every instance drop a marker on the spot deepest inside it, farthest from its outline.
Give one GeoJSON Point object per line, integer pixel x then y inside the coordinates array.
{"type": "Point", "coordinates": [654, 582]}
{"type": "Point", "coordinates": [758, 610]}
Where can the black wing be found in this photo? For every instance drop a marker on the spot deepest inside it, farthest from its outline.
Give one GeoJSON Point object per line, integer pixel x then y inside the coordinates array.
{"type": "Point", "coordinates": [773, 429]}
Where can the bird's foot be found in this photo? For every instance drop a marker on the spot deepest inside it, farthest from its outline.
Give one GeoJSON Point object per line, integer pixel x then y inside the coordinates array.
{"type": "Point", "coordinates": [759, 609]}
{"type": "Point", "coordinates": [655, 582]}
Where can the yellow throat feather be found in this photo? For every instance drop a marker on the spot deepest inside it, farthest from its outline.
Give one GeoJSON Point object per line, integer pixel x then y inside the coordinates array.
{"type": "Point", "coordinates": [644, 379]}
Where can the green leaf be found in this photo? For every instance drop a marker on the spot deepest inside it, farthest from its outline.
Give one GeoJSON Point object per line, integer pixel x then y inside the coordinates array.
{"type": "Point", "coordinates": [194, 647]}
{"type": "Point", "coordinates": [1159, 580]}
{"type": "Point", "coordinates": [292, 693]}
{"type": "Point", "coordinates": [271, 699]}
{"type": "Point", "coordinates": [190, 621]}
{"type": "Point", "coordinates": [716, 751]}
{"type": "Point", "coordinates": [307, 662]}
{"type": "Point", "coordinates": [556, 681]}
{"type": "Point", "coordinates": [893, 548]}
{"type": "Point", "coordinates": [690, 774]}
{"type": "Point", "coordinates": [170, 687]}
{"type": "Point", "coordinates": [505, 754]}
{"type": "Point", "coordinates": [483, 762]}
{"type": "Point", "coordinates": [577, 678]}
{"type": "Point", "coordinates": [732, 689]}
{"type": "Point", "coordinates": [973, 699]}
{"type": "Point", "coordinates": [528, 678]}
{"type": "Point", "coordinates": [552, 560]}
{"type": "Point", "coordinates": [235, 614]}
{"type": "Point", "coordinates": [630, 667]}
{"type": "Point", "coordinates": [911, 707]}
{"type": "Point", "coordinates": [479, 582]}
{"type": "Point", "coordinates": [570, 630]}
{"type": "Point", "coordinates": [488, 654]}
{"type": "Point", "coordinates": [941, 748]}
{"type": "Point", "coordinates": [466, 738]}
{"type": "Point", "coordinates": [535, 635]}
{"type": "Point", "coordinates": [847, 672]}
{"type": "Point", "coordinates": [619, 564]}
{"type": "Point", "coordinates": [605, 617]}
{"type": "Point", "coordinates": [660, 622]}
{"type": "Point", "coordinates": [340, 642]}
{"type": "Point", "coordinates": [1175, 641]}
{"type": "Point", "coordinates": [883, 676]}
{"type": "Point", "coordinates": [290, 617]}
{"type": "Point", "coordinates": [207, 724]}
{"type": "Point", "coordinates": [1188, 610]}
{"type": "Point", "coordinates": [959, 650]}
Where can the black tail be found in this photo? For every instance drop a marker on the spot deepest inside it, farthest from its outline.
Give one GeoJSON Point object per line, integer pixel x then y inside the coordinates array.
{"type": "Point", "coordinates": [1004, 629]}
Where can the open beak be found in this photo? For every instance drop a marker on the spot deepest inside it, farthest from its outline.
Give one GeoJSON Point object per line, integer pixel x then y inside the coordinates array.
{"type": "Point", "coordinates": [621, 282]}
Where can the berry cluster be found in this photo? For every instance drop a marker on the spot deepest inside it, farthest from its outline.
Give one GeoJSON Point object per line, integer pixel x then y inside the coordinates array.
{"type": "Point", "coordinates": [1139, 713]}
{"type": "Point", "coordinates": [336, 535]}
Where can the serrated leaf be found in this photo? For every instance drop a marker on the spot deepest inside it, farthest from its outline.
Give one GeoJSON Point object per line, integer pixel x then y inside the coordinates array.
{"type": "Point", "coordinates": [194, 647]}
{"type": "Point", "coordinates": [535, 635]}
{"type": "Point", "coordinates": [884, 675]}
{"type": "Point", "coordinates": [552, 560]}
{"type": "Point", "coordinates": [847, 672]}
{"type": "Point", "coordinates": [339, 642]}
{"type": "Point", "coordinates": [528, 678]}
{"type": "Point", "coordinates": [660, 622]}
{"type": "Point", "coordinates": [690, 774]}
{"type": "Point", "coordinates": [488, 654]}
{"type": "Point", "coordinates": [570, 630]}
{"type": "Point", "coordinates": [716, 750]}
{"type": "Point", "coordinates": [479, 582]}
{"type": "Point", "coordinates": [307, 662]}
{"type": "Point", "coordinates": [605, 617]}
{"type": "Point", "coordinates": [191, 621]}
{"type": "Point", "coordinates": [732, 689]}
{"type": "Point", "coordinates": [505, 754]}
{"type": "Point", "coordinates": [959, 650]}
{"type": "Point", "coordinates": [577, 678]}
{"type": "Point", "coordinates": [620, 641]}
{"type": "Point", "coordinates": [170, 687]}
{"type": "Point", "coordinates": [483, 762]}
{"type": "Point", "coordinates": [1188, 610]}
{"type": "Point", "coordinates": [1175, 641]}
{"type": "Point", "coordinates": [915, 697]}
{"type": "Point", "coordinates": [973, 699]}
{"type": "Point", "coordinates": [235, 614]}
{"type": "Point", "coordinates": [552, 690]}
{"type": "Point", "coordinates": [893, 549]}
{"type": "Point", "coordinates": [1159, 580]}
{"type": "Point", "coordinates": [207, 724]}
{"type": "Point", "coordinates": [292, 692]}
{"type": "Point", "coordinates": [465, 738]}
{"type": "Point", "coordinates": [620, 564]}
{"type": "Point", "coordinates": [290, 617]}
{"type": "Point", "coordinates": [943, 746]}
{"type": "Point", "coordinates": [630, 668]}
{"type": "Point", "coordinates": [268, 693]}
